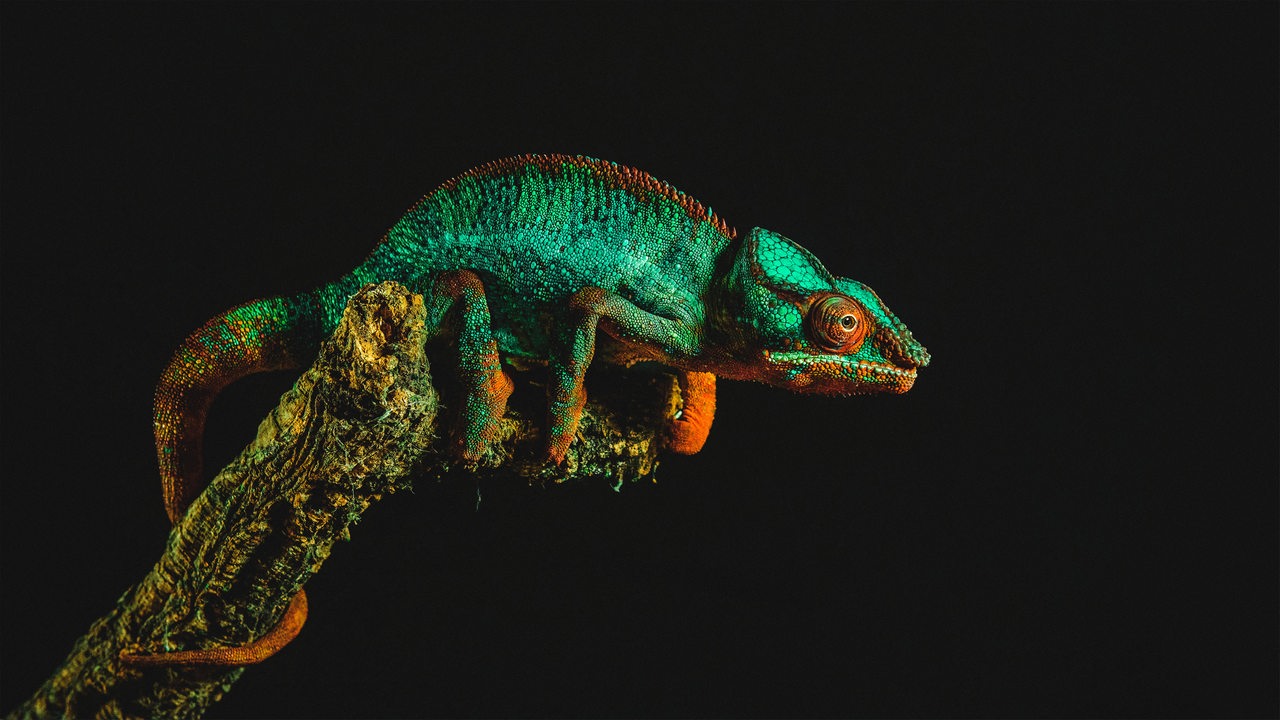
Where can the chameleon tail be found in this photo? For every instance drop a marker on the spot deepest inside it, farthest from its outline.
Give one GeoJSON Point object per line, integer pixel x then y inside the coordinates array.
{"type": "Point", "coordinates": [255, 652]}
{"type": "Point", "coordinates": [272, 334]}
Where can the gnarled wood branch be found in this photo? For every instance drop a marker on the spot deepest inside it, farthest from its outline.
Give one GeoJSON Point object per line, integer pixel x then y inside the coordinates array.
{"type": "Point", "coordinates": [361, 423]}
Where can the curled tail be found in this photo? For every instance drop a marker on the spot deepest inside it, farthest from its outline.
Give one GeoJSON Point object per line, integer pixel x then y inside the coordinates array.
{"type": "Point", "coordinates": [272, 334]}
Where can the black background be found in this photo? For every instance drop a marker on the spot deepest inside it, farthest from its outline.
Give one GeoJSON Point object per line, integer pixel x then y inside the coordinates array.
{"type": "Point", "coordinates": [1074, 206]}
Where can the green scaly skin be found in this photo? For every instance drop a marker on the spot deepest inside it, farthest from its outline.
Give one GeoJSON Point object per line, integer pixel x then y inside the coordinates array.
{"type": "Point", "coordinates": [533, 255]}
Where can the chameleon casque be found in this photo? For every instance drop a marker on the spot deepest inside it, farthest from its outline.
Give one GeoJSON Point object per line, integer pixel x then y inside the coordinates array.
{"type": "Point", "coordinates": [540, 256]}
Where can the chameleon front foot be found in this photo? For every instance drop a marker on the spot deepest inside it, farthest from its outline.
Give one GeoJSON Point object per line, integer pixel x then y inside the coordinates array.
{"type": "Point", "coordinates": [295, 616]}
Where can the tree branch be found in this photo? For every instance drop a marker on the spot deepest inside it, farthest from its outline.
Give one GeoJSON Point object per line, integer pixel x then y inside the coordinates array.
{"type": "Point", "coordinates": [351, 430]}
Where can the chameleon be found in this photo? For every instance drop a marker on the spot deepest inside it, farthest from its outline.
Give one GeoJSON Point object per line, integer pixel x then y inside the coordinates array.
{"type": "Point", "coordinates": [562, 260]}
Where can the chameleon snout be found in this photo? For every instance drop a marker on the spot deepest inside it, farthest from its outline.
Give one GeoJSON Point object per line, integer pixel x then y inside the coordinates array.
{"type": "Point", "coordinates": [901, 348]}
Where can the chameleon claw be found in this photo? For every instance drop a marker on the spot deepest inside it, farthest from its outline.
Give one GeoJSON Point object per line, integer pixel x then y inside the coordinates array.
{"type": "Point", "coordinates": [555, 456]}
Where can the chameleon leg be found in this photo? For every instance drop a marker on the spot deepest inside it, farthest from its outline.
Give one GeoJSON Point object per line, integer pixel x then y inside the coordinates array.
{"type": "Point", "coordinates": [255, 652]}
{"type": "Point", "coordinates": [487, 386]}
{"type": "Point", "coordinates": [576, 344]}
{"type": "Point", "coordinates": [566, 368]}
{"type": "Point", "coordinates": [693, 423]}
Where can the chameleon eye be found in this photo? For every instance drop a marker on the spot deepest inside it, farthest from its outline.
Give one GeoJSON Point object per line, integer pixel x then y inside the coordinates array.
{"type": "Point", "coordinates": [835, 324]}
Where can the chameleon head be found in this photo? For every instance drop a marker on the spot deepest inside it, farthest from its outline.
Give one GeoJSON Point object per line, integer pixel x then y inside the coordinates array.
{"type": "Point", "coordinates": [792, 324]}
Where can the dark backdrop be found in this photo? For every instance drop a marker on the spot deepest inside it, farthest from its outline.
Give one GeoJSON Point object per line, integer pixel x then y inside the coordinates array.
{"type": "Point", "coordinates": [1074, 206]}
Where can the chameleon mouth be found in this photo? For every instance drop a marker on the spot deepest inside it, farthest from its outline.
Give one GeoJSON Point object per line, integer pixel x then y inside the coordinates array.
{"type": "Point", "coordinates": [882, 377]}
{"type": "Point", "coordinates": [841, 375]}
{"type": "Point", "coordinates": [883, 369]}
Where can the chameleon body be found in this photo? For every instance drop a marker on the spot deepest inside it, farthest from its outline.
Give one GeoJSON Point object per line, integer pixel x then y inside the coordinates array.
{"type": "Point", "coordinates": [554, 258]}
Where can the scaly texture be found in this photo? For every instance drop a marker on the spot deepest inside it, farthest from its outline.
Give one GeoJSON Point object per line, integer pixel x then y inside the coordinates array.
{"type": "Point", "coordinates": [530, 258]}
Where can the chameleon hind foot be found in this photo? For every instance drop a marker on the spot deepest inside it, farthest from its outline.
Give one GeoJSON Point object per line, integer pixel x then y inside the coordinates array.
{"type": "Point", "coordinates": [564, 411]}
{"type": "Point", "coordinates": [661, 337]}
{"type": "Point", "coordinates": [688, 431]}
{"type": "Point", "coordinates": [482, 409]}
{"type": "Point", "coordinates": [254, 652]}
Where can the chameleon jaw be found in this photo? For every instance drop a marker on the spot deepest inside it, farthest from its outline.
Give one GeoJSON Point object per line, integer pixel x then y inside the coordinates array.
{"type": "Point", "coordinates": [837, 374]}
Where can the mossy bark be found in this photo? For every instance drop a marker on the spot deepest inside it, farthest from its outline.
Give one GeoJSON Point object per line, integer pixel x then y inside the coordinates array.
{"type": "Point", "coordinates": [363, 422]}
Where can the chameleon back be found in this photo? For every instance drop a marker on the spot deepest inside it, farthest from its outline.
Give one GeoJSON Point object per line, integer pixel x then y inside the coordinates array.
{"type": "Point", "coordinates": [538, 228]}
